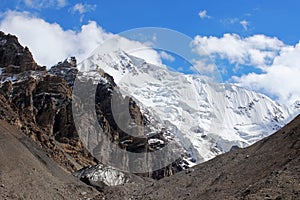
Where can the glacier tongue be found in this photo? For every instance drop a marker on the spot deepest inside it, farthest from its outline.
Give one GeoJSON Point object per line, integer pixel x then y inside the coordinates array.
{"type": "Point", "coordinates": [206, 118]}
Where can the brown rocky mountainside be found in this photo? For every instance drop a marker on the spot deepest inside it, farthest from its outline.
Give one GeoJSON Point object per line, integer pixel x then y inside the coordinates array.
{"type": "Point", "coordinates": [269, 169]}
{"type": "Point", "coordinates": [39, 104]}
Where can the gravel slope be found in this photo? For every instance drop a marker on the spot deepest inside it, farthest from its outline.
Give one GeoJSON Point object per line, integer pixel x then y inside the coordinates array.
{"type": "Point", "coordinates": [269, 169]}
{"type": "Point", "coordinates": [26, 172]}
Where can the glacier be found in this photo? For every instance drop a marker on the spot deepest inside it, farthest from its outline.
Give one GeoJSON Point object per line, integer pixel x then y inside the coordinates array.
{"type": "Point", "coordinates": [206, 118]}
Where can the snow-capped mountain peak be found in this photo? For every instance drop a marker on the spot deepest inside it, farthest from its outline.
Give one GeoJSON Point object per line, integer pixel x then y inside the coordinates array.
{"type": "Point", "coordinates": [205, 118]}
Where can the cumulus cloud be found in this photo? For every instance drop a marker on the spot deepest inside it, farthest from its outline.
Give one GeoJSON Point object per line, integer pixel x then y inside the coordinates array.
{"type": "Point", "coordinates": [83, 8]}
{"type": "Point", "coordinates": [50, 43]}
{"type": "Point", "coordinates": [278, 62]}
{"type": "Point", "coordinates": [203, 14]}
{"type": "Point", "coordinates": [204, 67]}
{"type": "Point", "coordinates": [135, 48]}
{"type": "Point", "coordinates": [280, 79]}
{"type": "Point", "coordinates": [166, 56]}
{"type": "Point", "coordinates": [256, 50]}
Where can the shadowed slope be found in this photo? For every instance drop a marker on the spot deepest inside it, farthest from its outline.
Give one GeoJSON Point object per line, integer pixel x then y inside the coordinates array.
{"type": "Point", "coordinates": [26, 172]}
{"type": "Point", "coordinates": [269, 169]}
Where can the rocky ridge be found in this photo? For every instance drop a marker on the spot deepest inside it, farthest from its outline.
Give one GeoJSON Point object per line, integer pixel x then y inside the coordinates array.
{"type": "Point", "coordinates": [39, 103]}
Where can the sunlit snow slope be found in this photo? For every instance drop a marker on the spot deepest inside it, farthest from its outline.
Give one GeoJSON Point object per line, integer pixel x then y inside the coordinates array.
{"type": "Point", "coordinates": [205, 118]}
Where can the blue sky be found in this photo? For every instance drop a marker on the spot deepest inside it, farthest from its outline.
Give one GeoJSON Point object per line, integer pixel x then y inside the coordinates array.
{"type": "Point", "coordinates": [253, 42]}
{"type": "Point", "coordinates": [273, 18]}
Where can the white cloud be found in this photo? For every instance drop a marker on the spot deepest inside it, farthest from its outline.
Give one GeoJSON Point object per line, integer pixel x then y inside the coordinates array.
{"type": "Point", "coordinates": [245, 24]}
{"type": "Point", "coordinates": [50, 43]}
{"type": "Point", "coordinates": [280, 79]}
{"type": "Point", "coordinates": [135, 48]}
{"type": "Point", "coordinates": [203, 14]}
{"type": "Point", "coordinates": [39, 4]}
{"type": "Point", "coordinates": [83, 8]}
{"type": "Point", "coordinates": [204, 67]}
{"type": "Point", "coordinates": [257, 50]}
{"type": "Point", "coordinates": [164, 55]}
{"type": "Point", "coordinates": [279, 63]}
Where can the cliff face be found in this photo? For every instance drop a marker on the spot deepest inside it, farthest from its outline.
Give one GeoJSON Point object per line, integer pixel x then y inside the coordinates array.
{"type": "Point", "coordinates": [39, 103]}
{"type": "Point", "coordinates": [113, 113]}
{"type": "Point", "coordinates": [13, 57]}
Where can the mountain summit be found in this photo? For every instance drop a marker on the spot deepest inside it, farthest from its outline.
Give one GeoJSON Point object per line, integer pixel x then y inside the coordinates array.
{"type": "Point", "coordinates": [205, 117]}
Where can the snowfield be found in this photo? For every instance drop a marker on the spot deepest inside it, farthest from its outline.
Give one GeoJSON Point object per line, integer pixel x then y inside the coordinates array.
{"type": "Point", "coordinates": [205, 118]}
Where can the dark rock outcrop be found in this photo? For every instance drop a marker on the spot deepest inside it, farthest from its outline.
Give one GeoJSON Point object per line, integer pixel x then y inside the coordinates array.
{"type": "Point", "coordinates": [13, 57]}
{"type": "Point", "coordinates": [39, 102]}
{"type": "Point", "coordinates": [121, 121]}
{"type": "Point", "coordinates": [40, 105]}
